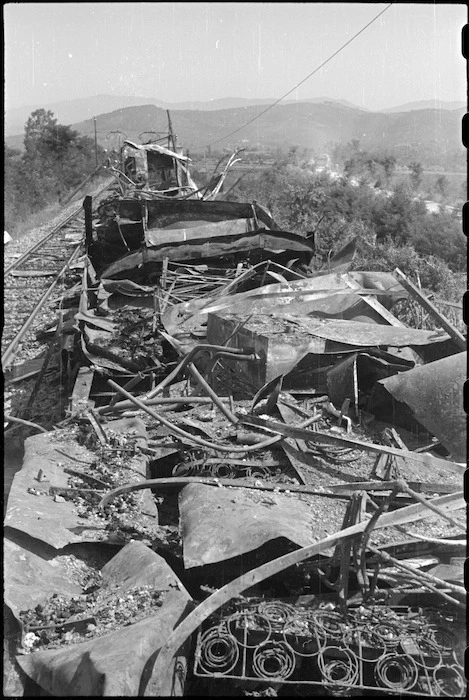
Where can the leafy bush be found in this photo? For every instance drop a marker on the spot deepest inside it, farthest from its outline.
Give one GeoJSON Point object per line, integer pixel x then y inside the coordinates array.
{"type": "Point", "coordinates": [56, 159]}
{"type": "Point", "coordinates": [336, 210]}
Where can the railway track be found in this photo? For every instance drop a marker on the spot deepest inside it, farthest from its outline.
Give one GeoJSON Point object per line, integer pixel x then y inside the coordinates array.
{"type": "Point", "coordinates": [31, 280]}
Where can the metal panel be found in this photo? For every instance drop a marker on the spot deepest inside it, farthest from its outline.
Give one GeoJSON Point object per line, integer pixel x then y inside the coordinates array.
{"type": "Point", "coordinates": [372, 334]}
{"type": "Point", "coordinates": [58, 523]}
{"type": "Point", "coordinates": [355, 375]}
{"type": "Point", "coordinates": [434, 392]}
{"type": "Point", "coordinates": [218, 524]}
{"type": "Point", "coordinates": [269, 241]}
{"type": "Point", "coordinates": [187, 231]}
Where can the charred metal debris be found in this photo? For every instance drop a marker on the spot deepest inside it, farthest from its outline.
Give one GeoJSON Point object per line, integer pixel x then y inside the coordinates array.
{"type": "Point", "coordinates": [257, 489]}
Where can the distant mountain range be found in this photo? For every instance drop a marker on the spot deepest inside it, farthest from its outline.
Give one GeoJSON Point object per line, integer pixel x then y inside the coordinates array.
{"type": "Point", "coordinates": [73, 111]}
{"type": "Point", "coordinates": [426, 104]}
{"type": "Point", "coordinates": [308, 124]}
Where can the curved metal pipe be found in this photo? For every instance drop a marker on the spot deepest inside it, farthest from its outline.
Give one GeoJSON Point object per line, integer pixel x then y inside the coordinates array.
{"type": "Point", "coordinates": [193, 438]}
{"type": "Point", "coordinates": [21, 421]}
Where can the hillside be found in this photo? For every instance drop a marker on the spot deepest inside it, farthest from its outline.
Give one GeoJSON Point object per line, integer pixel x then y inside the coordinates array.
{"type": "Point", "coordinates": [429, 135]}
{"type": "Point", "coordinates": [306, 125]}
{"type": "Point", "coordinates": [68, 111]}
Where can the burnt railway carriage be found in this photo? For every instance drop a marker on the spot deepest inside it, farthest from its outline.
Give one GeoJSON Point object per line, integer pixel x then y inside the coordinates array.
{"type": "Point", "coordinates": [158, 240]}
{"type": "Point", "coordinates": [135, 234]}
{"type": "Point", "coordinates": [161, 214]}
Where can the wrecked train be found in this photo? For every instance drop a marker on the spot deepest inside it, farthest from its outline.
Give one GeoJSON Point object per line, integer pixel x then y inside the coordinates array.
{"type": "Point", "coordinates": [258, 487]}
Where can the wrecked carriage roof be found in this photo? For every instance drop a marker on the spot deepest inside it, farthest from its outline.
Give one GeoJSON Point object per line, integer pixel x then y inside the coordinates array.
{"type": "Point", "coordinates": [156, 148]}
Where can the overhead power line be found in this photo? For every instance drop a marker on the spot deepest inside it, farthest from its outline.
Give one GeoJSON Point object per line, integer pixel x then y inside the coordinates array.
{"type": "Point", "coordinates": [304, 79]}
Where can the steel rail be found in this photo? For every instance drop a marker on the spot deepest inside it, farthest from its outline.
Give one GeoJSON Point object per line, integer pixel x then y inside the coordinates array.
{"type": "Point", "coordinates": [9, 354]}
{"type": "Point", "coordinates": [49, 235]}
{"type": "Point", "coordinates": [40, 243]}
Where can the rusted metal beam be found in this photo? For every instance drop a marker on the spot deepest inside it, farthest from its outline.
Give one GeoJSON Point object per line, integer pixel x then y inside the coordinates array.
{"type": "Point", "coordinates": [415, 293]}
{"type": "Point", "coordinates": [97, 427]}
{"type": "Point", "coordinates": [177, 482]}
{"type": "Point", "coordinates": [88, 209]}
{"type": "Point", "coordinates": [169, 402]}
{"type": "Point", "coordinates": [417, 574]}
{"type": "Point", "coordinates": [416, 486]}
{"type": "Point", "coordinates": [403, 486]}
{"type": "Point", "coordinates": [81, 389]}
{"type": "Point", "coordinates": [372, 302]}
{"type": "Point", "coordinates": [53, 346]}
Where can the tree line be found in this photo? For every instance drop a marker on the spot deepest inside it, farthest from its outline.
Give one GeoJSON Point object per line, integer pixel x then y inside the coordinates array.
{"type": "Point", "coordinates": [54, 161]}
{"type": "Point", "coordinates": [393, 228]}
{"type": "Point", "coordinates": [380, 168]}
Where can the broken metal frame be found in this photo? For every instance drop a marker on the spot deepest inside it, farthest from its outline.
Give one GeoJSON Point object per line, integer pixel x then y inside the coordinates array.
{"type": "Point", "coordinates": [304, 643]}
{"type": "Point", "coordinates": [234, 588]}
{"type": "Point", "coordinates": [183, 363]}
{"type": "Point", "coordinates": [422, 577]}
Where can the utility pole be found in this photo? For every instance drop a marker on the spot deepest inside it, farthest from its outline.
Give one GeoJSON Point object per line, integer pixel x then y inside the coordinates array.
{"type": "Point", "coordinates": [95, 142]}
{"type": "Point", "coordinates": [172, 138]}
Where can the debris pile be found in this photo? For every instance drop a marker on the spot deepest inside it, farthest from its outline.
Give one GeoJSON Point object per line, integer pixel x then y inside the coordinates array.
{"type": "Point", "coordinates": [73, 620]}
{"type": "Point", "coordinates": [265, 460]}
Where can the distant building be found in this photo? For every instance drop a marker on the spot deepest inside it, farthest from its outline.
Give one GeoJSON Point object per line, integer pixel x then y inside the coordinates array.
{"type": "Point", "coordinates": [322, 163]}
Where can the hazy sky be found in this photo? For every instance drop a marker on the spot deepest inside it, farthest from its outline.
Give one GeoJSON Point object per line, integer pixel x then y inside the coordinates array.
{"type": "Point", "coordinates": [177, 51]}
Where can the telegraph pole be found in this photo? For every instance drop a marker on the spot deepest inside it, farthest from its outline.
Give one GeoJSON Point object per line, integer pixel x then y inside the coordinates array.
{"type": "Point", "coordinates": [172, 138]}
{"type": "Point", "coordinates": [95, 142]}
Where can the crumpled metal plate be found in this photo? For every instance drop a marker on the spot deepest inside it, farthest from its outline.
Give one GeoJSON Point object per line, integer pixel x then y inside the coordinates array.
{"type": "Point", "coordinates": [58, 523]}
{"type": "Point", "coordinates": [371, 334]}
{"type": "Point", "coordinates": [208, 247]}
{"type": "Point", "coordinates": [434, 393]}
{"type": "Point", "coordinates": [116, 664]}
{"type": "Point", "coordinates": [344, 304]}
{"type": "Point", "coordinates": [321, 284]}
{"type": "Point", "coordinates": [220, 523]}
{"type": "Point", "coordinates": [30, 576]}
